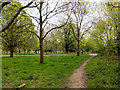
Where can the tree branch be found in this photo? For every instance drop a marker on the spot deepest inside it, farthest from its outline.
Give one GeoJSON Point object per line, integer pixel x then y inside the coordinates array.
{"type": "Point", "coordinates": [12, 20]}
{"type": "Point", "coordinates": [55, 28]}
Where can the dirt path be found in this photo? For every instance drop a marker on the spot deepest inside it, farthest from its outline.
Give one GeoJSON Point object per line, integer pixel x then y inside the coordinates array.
{"type": "Point", "coordinates": [78, 79]}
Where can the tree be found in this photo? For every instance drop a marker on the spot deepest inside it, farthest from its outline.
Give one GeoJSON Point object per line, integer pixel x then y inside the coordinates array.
{"type": "Point", "coordinates": [79, 18]}
{"type": "Point", "coordinates": [69, 40]}
{"type": "Point", "coordinates": [12, 39]}
{"type": "Point", "coordinates": [106, 30]}
{"type": "Point", "coordinates": [15, 16]}
{"type": "Point", "coordinates": [114, 7]}
{"type": "Point", "coordinates": [45, 14]}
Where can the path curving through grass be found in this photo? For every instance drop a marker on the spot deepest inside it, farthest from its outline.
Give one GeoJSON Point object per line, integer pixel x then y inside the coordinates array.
{"type": "Point", "coordinates": [79, 78]}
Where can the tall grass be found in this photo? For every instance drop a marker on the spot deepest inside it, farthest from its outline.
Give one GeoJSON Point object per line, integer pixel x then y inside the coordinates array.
{"type": "Point", "coordinates": [103, 72]}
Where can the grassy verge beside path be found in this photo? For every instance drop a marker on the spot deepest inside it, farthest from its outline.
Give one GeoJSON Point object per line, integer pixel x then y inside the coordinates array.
{"type": "Point", "coordinates": [51, 74]}
{"type": "Point", "coordinates": [103, 72]}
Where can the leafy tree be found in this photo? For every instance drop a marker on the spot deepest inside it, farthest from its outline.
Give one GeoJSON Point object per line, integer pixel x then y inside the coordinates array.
{"type": "Point", "coordinates": [114, 8]}
{"type": "Point", "coordinates": [15, 16]}
{"type": "Point", "coordinates": [12, 39]}
{"type": "Point", "coordinates": [69, 40]}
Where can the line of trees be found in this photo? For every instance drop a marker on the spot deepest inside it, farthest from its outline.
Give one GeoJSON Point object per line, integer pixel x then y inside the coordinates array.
{"type": "Point", "coordinates": [66, 33]}
{"type": "Point", "coordinates": [106, 32]}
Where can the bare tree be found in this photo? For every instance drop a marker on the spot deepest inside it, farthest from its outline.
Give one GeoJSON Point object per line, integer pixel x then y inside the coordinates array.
{"type": "Point", "coordinates": [43, 21]}
{"type": "Point", "coordinates": [81, 20]}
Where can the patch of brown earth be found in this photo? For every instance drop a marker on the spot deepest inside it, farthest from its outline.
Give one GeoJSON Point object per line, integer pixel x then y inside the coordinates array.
{"type": "Point", "coordinates": [78, 79]}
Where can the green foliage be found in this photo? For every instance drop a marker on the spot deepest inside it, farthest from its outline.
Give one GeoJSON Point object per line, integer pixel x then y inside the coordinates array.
{"type": "Point", "coordinates": [69, 39]}
{"type": "Point", "coordinates": [103, 72]}
{"type": "Point", "coordinates": [51, 74]}
{"type": "Point", "coordinates": [18, 35]}
{"type": "Point", "coordinates": [106, 32]}
{"type": "Point", "coordinates": [32, 53]}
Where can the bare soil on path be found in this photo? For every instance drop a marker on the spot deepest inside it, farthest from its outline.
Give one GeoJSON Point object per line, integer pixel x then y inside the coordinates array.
{"type": "Point", "coordinates": [79, 78]}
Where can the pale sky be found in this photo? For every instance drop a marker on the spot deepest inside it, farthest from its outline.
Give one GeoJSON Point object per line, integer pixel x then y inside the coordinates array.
{"type": "Point", "coordinates": [33, 12]}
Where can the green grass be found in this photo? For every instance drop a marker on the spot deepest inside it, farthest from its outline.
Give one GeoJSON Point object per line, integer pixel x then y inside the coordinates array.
{"type": "Point", "coordinates": [52, 74]}
{"type": "Point", "coordinates": [32, 53]}
{"type": "Point", "coordinates": [103, 72]}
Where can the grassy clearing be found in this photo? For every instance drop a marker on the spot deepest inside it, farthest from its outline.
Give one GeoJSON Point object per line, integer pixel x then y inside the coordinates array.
{"type": "Point", "coordinates": [51, 74]}
{"type": "Point", "coordinates": [33, 53]}
{"type": "Point", "coordinates": [103, 72]}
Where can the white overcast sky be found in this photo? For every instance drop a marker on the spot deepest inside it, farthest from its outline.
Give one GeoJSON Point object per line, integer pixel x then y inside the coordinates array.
{"type": "Point", "coordinates": [33, 12]}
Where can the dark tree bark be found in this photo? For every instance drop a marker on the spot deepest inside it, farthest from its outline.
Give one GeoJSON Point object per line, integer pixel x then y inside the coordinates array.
{"type": "Point", "coordinates": [78, 48]}
{"type": "Point", "coordinates": [67, 48]}
{"type": "Point", "coordinates": [5, 3]}
{"type": "Point", "coordinates": [41, 34]}
{"type": "Point", "coordinates": [19, 51]}
{"type": "Point", "coordinates": [41, 51]}
{"type": "Point", "coordinates": [11, 52]}
{"type": "Point", "coordinates": [28, 51]}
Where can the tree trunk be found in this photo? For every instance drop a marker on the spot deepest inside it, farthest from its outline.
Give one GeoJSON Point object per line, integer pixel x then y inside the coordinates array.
{"type": "Point", "coordinates": [35, 51]}
{"type": "Point", "coordinates": [41, 51]}
{"type": "Point", "coordinates": [19, 50]}
{"type": "Point", "coordinates": [28, 51]}
{"type": "Point", "coordinates": [78, 51]}
{"type": "Point", "coordinates": [11, 53]}
{"type": "Point", "coordinates": [56, 48]}
{"type": "Point", "coordinates": [41, 34]}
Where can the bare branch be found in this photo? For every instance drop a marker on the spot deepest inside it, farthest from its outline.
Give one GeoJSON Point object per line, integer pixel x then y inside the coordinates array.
{"type": "Point", "coordinates": [85, 31]}
{"type": "Point", "coordinates": [5, 3]}
{"type": "Point", "coordinates": [56, 28]}
{"type": "Point", "coordinates": [74, 32]}
{"type": "Point", "coordinates": [47, 14]}
{"type": "Point", "coordinates": [110, 4]}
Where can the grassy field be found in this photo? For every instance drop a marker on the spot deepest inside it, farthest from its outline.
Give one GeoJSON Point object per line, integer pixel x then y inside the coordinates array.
{"type": "Point", "coordinates": [103, 72]}
{"type": "Point", "coordinates": [32, 53]}
{"type": "Point", "coordinates": [52, 74]}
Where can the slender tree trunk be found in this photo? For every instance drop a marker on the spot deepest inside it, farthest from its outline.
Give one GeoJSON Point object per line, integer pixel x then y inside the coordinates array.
{"type": "Point", "coordinates": [56, 48]}
{"type": "Point", "coordinates": [78, 48]}
{"type": "Point", "coordinates": [19, 50]}
{"type": "Point", "coordinates": [28, 51]}
{"type": "Point", "coordinates": [41, 34]}
{"type": "Point", "coordinates": [11, 53]}
{"type": "Point", "coordinates": [41, 51]}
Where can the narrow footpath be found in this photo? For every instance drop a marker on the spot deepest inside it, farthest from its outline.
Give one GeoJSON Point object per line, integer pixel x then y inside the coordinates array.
{"type": "Point", "coordinates": [79, 78]}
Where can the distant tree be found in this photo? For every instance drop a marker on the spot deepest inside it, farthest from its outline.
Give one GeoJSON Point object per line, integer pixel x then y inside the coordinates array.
{"type": "Point", "coordinates": [69, 40]}
{"type": "Point", "coordinates": [79, 17]}
{"type": "Point", "coordinates": [106, 30]}
{"type": "Point", "coordinates": [113, 9]}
